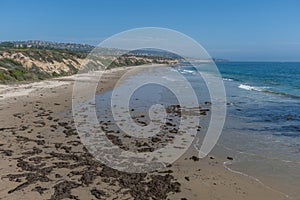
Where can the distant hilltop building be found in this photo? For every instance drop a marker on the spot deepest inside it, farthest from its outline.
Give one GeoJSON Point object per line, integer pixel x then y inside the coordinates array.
{"type": "Point", "coordinates": [51, 45]}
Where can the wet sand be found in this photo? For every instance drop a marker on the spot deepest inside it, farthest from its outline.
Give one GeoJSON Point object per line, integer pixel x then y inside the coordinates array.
{"type": "Point", "coordinates": [42, 157]}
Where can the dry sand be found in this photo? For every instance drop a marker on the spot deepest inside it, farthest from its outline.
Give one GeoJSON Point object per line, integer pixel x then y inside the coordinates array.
{"type": "Point", "coordinates": [42, 156]}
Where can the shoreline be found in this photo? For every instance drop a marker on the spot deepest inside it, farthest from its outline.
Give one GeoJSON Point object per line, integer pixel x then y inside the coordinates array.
{"type": "Point", "coordinates": [36, 128]}
{"type": "Point", "coordinates": [25, 88]}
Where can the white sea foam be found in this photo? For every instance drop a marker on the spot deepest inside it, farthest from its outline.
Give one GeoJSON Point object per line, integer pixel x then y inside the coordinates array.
{"type": "Point", "coordinates": [248, 87]}
{"type": "Point", "coordinates": [227, 79]}
{"type": "Point", "coordinates": [186, 71]}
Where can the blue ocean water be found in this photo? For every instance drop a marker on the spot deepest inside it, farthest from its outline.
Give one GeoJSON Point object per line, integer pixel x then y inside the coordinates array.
{"type": "Point", "coordinates": [272, 91]}
{"type": "Point", "coordinates": [281, 78]}
{"type": "Point", "coordinates": [263, 96]}
{"type": "Point", "coordinates": [262, 91]}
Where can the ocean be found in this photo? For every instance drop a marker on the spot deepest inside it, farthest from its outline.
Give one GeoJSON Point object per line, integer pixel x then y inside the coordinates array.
{"type": "Point", "coordinates": [262, 128]}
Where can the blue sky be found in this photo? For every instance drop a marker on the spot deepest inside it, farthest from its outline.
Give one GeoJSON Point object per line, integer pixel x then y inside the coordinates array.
{"type": "Point", "coordinates": [237, 30]}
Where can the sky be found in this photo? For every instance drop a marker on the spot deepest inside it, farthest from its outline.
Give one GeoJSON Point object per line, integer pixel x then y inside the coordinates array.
{"type": "Point", "coordinates": [256, 30]}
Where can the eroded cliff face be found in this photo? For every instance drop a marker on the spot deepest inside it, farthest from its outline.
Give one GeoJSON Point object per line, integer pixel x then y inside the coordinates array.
{"type": "Point", "coordinates": [27, 65]}
{"type": "Point", "coordinates": [46, 61]}
{"type": "Point", "coordinates": [39, 64]}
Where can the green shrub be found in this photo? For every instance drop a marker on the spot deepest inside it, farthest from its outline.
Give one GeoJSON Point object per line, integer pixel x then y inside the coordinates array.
{"type": "Point", "coordinates": [17, 74]}
{"type": "Point", "coordinates": [54, 74]}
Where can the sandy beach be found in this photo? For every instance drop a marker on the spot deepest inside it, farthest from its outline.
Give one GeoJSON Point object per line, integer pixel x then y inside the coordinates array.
{"type": "Point", "coordinates": [42, 156]}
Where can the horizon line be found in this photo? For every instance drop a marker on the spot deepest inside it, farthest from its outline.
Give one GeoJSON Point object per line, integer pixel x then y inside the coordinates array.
{"type": "Point", "coordinates": [81, 43]}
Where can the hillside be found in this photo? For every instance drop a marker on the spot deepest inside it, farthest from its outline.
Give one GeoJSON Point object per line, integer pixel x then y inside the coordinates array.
{"type": "Point", "coordinates": [20, 62]}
